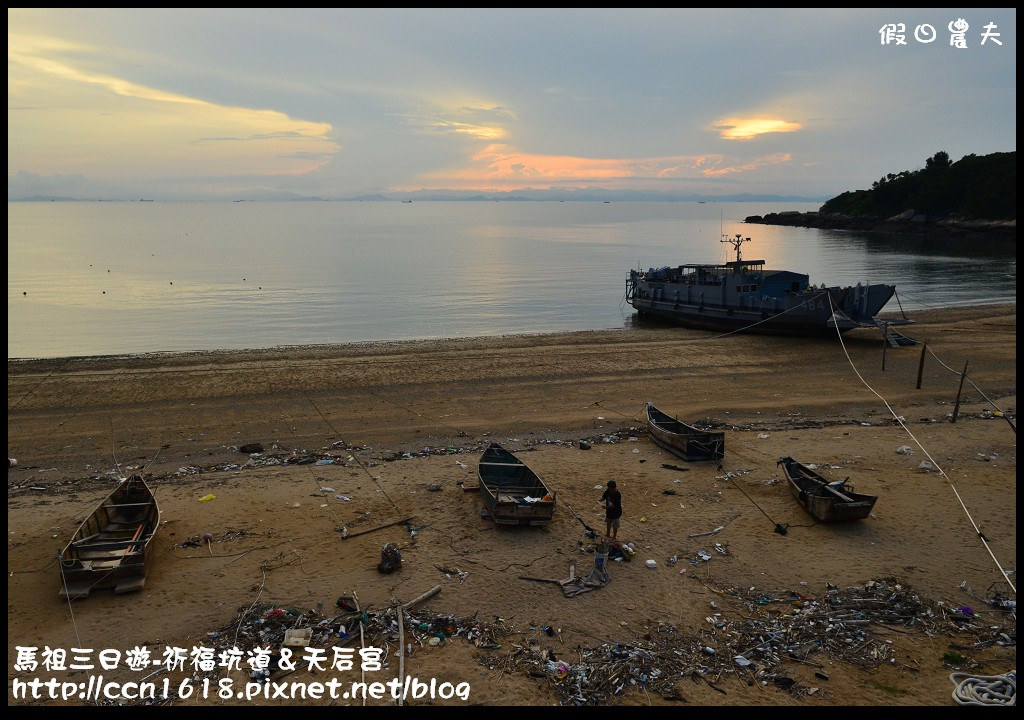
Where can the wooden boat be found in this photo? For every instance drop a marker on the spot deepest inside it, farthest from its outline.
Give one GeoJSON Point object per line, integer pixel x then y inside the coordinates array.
{"type": "Point", "coordinates": [512, 492]}
{"type": "Point", "coordinates": [684, 440]}
{"type": "Point", "coordinates": [823, 500]}
{"type": "Point", "coordinates": [113, 547]}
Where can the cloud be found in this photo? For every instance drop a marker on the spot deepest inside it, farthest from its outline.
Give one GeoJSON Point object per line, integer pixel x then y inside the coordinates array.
{"type": "Point", "coordinates": [749, 166]}
{"type": "Point", "coordinates": [500, 165]}
{"type": "Point", "coordinates": [28, 184]}
{"type": "Point", "coordinates": [126, 128]}
{"type": "Point", "coordinates": [748, 128]}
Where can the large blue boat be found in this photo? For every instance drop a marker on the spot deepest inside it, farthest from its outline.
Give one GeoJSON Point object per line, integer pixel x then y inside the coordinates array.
{"type": "Point", "coordinates": [742, 296]}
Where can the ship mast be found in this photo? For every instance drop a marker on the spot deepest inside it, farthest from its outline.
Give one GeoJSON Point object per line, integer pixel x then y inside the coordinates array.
{"type": "Point", "coordinates": [736, 244]}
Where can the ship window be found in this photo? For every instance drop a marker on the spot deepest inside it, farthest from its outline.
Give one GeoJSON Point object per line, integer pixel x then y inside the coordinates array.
{"type": "Point", "coordinates": [753, 288]}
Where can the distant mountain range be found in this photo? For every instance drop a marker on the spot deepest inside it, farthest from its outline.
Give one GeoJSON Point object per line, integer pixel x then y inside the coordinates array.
{"type": "Point", "coordinates": [588, 195]}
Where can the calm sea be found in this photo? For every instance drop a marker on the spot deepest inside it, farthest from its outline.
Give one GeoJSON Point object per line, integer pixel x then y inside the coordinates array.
{"type": "Point", "coordinates": [102, 278]}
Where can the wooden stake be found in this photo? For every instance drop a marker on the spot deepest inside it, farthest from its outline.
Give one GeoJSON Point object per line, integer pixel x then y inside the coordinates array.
{"type": "Point", "coordinates": [401, 652]}
{"type": "Point", "coordinates": [920, 367]}
{"type": "Point", "coordinates": [885, 343]}
{"type": "Point", "coordinates": [362, 645]}
{"type": "Point", "coordinates": [956, 408]}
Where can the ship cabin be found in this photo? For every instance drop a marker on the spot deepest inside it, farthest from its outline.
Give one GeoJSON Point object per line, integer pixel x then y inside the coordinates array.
{"type": "Point", "coordinates": [742, 277]}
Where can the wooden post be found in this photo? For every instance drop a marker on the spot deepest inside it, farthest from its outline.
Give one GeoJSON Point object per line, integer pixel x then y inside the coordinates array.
{"type": "Point", "coordinates": [920, 367]}
{"type": "Point", "coordinates": [956, 408]}
{"type": "Point", "coordinates": [885, 341]}
{"type": "Point", "coordinates": [362, 646]}
{"type": "Point", "coordinates": [401, 652]}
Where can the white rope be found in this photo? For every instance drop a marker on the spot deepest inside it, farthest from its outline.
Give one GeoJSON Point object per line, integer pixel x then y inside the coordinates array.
{"type": "Point", "coordinates": [968, 379]}
{"type": "Point", "coordinates": [903, 425]}
{"type": "Point", "coordinates": [985, 689]}
{"type": "Point", "coordinates": [64, 582]}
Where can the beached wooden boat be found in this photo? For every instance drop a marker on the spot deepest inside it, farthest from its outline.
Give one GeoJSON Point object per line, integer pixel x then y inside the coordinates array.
{"type": "Point", "coordinates": [684, 440]}
{"type": "Point", "coordinates": [823, 500]}
{"type": "Point", "coordinates": [113, 547]}
{"type": "Point", "coordinates": [512, 492]}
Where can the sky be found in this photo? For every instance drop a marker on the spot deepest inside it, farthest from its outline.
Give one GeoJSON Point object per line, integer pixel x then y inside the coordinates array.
{"type": "Point", "coordinates": [260, 103]}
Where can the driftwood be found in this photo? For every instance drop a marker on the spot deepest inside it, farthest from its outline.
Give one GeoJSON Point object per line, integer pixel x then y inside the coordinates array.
{"type": "Point", "coordinates": [349, 536]}
{"type": "Point", "coordinates": [425, 596]}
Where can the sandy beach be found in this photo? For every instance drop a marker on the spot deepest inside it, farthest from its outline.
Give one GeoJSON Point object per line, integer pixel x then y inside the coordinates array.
{"type": "Point", "coordinates": [354, 436]}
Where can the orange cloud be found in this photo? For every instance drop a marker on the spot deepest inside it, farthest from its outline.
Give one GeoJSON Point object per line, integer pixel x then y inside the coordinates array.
{"type": "Point", "coordinates": [503, 165]}
{"type": "Point", "coordinates": [749, 128]}
{"type": "Point", "coordinates": [747, 167]}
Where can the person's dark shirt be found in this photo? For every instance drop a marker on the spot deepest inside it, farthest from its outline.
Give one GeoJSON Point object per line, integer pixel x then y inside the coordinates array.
{"type": "Point", "coordinates": [613, 508]}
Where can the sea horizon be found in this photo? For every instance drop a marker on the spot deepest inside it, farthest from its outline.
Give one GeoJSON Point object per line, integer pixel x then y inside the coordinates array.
{"type": "Point", "coordinates": [102, 279]}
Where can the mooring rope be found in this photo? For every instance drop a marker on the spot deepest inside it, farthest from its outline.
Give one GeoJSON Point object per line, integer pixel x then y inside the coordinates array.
{"type": "Point", "coordinates": [903, 425]}
{"type": "Point", "coordinates": [985, 689]}
{"type": "Point", "coordinates": [968, 379]}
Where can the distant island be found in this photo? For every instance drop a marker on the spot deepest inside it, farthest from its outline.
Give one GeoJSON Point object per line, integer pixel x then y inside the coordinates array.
{"type": "Point", "coordinates": [974, 198]}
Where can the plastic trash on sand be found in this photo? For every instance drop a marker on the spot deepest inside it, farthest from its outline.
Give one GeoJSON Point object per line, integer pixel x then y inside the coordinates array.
{"type": "Point", "coordinates": [208, 498]}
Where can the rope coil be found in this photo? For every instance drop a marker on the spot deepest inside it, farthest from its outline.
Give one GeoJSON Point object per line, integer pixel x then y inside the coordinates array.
{"type": "Point", "coordinates": [985, 689]}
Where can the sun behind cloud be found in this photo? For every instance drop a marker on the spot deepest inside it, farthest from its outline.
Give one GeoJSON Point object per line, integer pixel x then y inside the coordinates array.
{"type": "Point", "coordinates": [736, 128]}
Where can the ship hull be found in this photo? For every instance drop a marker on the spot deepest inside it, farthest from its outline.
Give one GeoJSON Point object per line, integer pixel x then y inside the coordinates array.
{"type": "Point", "coordinates": [811, 315]}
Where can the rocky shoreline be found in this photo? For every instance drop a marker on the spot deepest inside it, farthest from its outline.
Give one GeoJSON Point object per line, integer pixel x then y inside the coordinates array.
{"type": "Point", "coordinates": [905, 223]}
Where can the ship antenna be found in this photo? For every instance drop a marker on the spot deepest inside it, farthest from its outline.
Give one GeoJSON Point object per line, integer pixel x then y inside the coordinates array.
{"type": "Point", "coordinates": [736, 244]}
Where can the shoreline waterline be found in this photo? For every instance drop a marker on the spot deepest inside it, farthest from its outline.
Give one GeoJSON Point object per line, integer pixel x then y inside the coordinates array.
{"type": "Point", "coordinates": [521, 339]}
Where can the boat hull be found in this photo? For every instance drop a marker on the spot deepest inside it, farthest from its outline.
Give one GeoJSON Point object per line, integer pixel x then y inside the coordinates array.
{"type": "Point", "coordinates": [821, 501]}
{"type": "Point", "coordinates": [811, 317]}
{"type": "Point", "coordinates": [685, 441]}
{"type": "Point", "coordinates": [112, 548]}
{"type": "Point", "coordinates": [513, 493]}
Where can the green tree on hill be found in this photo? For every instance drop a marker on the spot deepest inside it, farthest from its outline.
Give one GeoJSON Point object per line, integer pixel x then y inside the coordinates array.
{"type": "Point", "coordinates": [974, 188]}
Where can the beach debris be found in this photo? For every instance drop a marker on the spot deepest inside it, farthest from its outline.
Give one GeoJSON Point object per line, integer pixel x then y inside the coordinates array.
{"type": "Point", "coordinates": [251, 448]}
{"type": "Point", "coordinates": [652, 564]}
{"type": "Point", "coordinates": [433, 487]}
{"type": "Point", "coordinates": [926, 466]}
{"type": "Point", "coordinates": [904, 450]}
{"type": "Point", "coordinates": [670, 466]}
{"type": "Point", "coordinates": [390, 559]}
{"type": "Point", "coordinates": [575, 585]}
{"type": "Point", "coordinates": [343, 498]}
{"type": "Point", "coordinates": [584, 445]}
{"type": "Point", "coordinates": [449, 572]}
{"type": "Point", "coordinates": [208, 498]}
{"type": "Point", "coordinates": [754, 635]}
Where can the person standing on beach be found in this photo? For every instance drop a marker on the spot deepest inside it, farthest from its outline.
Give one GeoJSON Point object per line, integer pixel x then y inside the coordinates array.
{"type": "Point", "coordinates": [612, 500]}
